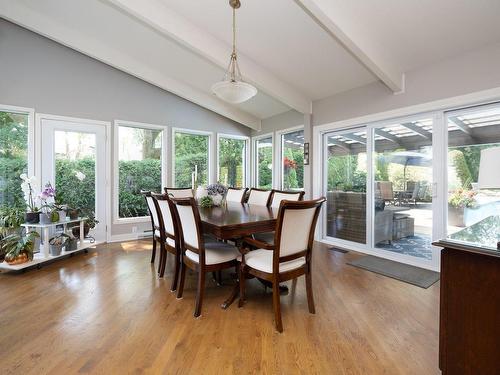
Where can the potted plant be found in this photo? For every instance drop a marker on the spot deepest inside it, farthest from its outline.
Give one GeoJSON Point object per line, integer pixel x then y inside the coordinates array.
{"type": "Point", "coordinates": [28, 186]}
{"type": "Point", "coordinates": [10, 222]}
{"type": "Point", "coordinates": [458, 202]}
{"type": "Point", "coordinates": [50, 212]}
{"type": "Point", "coordinates": [89, 224]}
{"type": "Point", "coordinates": [72, 243]}
{"type": "Point", "coordinates": [57, 243]}
{"type": "Point", "coordinates": [73, 213]}
{"type": "Point", "coordinates": [18, 248]}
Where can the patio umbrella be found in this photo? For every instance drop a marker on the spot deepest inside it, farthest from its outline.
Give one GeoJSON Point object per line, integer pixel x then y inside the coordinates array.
{"type": "Point", "coordinates": [408, 158]}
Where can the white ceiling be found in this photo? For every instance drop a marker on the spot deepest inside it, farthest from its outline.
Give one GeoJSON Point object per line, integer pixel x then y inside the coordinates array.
{"type": "Point", "coordinates": [289, 49]}
{"type": "Point", "coordinates": [280, 36]}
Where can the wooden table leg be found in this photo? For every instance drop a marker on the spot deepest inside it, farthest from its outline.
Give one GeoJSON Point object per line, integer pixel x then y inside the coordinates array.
{"type": "Point", "coordinates": [234, 294]}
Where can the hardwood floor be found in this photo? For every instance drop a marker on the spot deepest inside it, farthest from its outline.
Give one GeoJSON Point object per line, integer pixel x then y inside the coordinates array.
{"type": "Point", "coordinates": [107, 313]}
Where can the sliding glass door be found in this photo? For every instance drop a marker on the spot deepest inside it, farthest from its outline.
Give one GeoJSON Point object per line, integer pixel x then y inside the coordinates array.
{"type": "Point", "coordinates": [379, 181]}
{"type": "Point", "coordinates": [346, 177]}
{"type": "Point", "coordinates": [402, 186]}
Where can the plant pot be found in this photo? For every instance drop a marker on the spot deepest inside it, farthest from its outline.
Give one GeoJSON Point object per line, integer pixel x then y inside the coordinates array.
{"type": "Point", "coordinates": [55, 250]}
{"type": "Point", "coordinates": [45, 218]}
{"type": "Point", "coordinates": [73, 213]}
{"type": "Point", "coordinates": [32, 217]}
{"type": "Point", "coordinates": [76, 230]}
{"type": "Point", "coordinates": [72, 245]}
{"type": "Point", "coordinates": [20, 259]}
{"type": "Point", "coordinates": [54, 216]}
{"type": "Point", "coordinates": [456, 216]}
{"type": "Point", "coordinates": [62, 215]}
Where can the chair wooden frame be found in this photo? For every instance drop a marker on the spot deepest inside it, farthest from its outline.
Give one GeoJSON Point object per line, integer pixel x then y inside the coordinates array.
{"type": "Point", "coordinates": [200, 267]}
{"type": "Point", "coordinates": [167, 189]}
{"type": "Point", "coordinates": [276, 277]}
{"type": "Point", "coordinates": [243, 190]}
{"type": "Point", "coordinates": [257, 189]}
{"type": "Point", "coordinates": [147, 194]}
{"type": "Point", "coordinates": [287, 192]}
{"type": "Point", "coordinates": [165, 247]}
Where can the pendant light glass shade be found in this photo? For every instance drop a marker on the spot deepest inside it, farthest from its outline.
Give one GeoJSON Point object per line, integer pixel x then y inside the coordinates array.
{"type": "Point", "coordinates": [234, 92]}
{"type": "Point", "coordinates": [232, 88]}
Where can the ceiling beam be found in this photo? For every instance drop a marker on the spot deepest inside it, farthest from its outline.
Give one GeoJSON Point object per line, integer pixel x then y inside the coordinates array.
{"type": "Point", "coordinates": [462, 126]}
{"type": "Point", "coordinates": [354, 137]}
{"type": "Point", "coordinates": [355, 41]}
{"type": "Point", "coordinates": [417, 129]}
{"type": "Point", "coordinates": [336, 142]}
{"type": "Point", "coordinates": [388, 136]}
{"type": "Point", "coordinates": [40, 23]}
{"type": "Point", "coordinates": [169, 23]}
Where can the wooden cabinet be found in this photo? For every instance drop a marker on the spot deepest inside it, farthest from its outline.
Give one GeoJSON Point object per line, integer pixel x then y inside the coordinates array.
{"type": "Point", "coordinates": [469, 312]}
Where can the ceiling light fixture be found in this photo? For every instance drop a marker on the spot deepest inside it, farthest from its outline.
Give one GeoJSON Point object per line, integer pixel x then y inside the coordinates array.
{"type": "Point", "coordinates": [232, 88]}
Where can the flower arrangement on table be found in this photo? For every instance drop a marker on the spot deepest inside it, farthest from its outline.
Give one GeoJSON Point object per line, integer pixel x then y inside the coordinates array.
{"type": "Point", "coordinates": [212, 195]}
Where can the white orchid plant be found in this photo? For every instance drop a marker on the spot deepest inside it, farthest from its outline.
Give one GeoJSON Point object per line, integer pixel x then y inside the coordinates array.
{"type": "Point", "coordinates": [29, 186]}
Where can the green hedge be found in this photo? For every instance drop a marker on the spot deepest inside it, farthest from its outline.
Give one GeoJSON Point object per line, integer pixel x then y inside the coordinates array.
{"type": "Point", "coordinates": [11, 194]}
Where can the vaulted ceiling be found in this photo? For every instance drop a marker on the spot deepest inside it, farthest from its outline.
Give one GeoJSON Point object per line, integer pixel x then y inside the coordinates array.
{"type": "Point", "coordinates": [295, 52]}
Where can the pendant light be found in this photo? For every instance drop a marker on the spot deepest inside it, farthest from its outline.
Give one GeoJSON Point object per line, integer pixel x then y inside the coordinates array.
{"type": "Point", "coordinates": [232, 88]}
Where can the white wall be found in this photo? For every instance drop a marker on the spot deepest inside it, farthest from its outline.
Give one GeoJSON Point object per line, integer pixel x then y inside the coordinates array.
{"type": "Point", "coordinates": [39, 73]}
{"type": "Point", "coordinates": [476, 71]}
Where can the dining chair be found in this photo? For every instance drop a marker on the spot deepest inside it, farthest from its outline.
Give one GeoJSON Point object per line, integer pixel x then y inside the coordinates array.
{"type": "Point", "coordinates": [236, 195]}
{"type": "Point", "coordinates": [196, 254]}
{"type": "Point", "coordinates": [276, 197]}
{"type": "Point", "coordinates": [280, 195]}
{"type": "Point", "coordinates": [290, 255]}
{"type": "Point", "coordinates": [167, 232]}
{"type": "Point", "coordinates": [184, 192]}
{"type": "Point", "coordinates": [259, 196]}
{"type": "Point", "coordinates": [153, 214]}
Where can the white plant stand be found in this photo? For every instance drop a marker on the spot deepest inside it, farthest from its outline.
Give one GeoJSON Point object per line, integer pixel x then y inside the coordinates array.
{"type": "Point", "coordinates": [44, 256]}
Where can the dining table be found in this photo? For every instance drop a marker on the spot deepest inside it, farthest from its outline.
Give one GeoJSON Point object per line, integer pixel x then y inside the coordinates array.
{"type": "Point", "coordinates": [234, 221]}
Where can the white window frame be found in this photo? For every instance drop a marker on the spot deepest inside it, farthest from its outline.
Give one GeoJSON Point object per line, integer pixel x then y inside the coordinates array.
{"type": "Point", "coordinates": [116, 199]}
{"type": "Point", "coordinates": [437, 109]}
{"type": "Point", "coordinates": [246, 169]}
{"type": "Point", "coordinates": [255, 155]}
{"type": "Point", "coordinates": [31, 132]}
{"type": "Point", "coordinates": [278, 184]}
{"type": "Point", "coordinates": [39, 117]}
{"type": "Point", "coordinates": [210, 149]}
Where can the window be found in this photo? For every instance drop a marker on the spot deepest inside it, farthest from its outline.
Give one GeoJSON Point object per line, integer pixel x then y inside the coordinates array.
{"type": "Point", "coordinates": [191, 158]}
{"type": "Point", "coordinates": [75, 169]}
{"type": "Point", "coordinates": [264, 162]}
{"type": "Point", "coordinates": [292, 156]}
{"type": "Point", "coordinates": [471, 198]}
{"type": "Point", "coordinates": [13, 157]}
{"type": "Point", "coordinates": [139, 167]}
{"type": "Point", "coordinates": [232, 161]}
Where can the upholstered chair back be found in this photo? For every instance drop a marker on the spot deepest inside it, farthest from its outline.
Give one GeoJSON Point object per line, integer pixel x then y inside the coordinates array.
{"type": "Point", "coordinates": [179, 192]}
{"type": "Point", "coordinates": [235, 195]}
{"type": "Point", "coordinates": [188, 217]}
{"type": "Point", "coordinates": [295, 227]}
{"type": "Point", "coordinates": [279, 196]}
{"type": "Point", "coordinates": [152, 210]}
{"type": "Point", "coordinates": [163, 203]}
{"type": "Point", "coordinates": [259, 197]}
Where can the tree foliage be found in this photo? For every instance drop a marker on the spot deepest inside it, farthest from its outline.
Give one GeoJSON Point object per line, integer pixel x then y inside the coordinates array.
{"type": "Point", "coordinates": [190, 150]}
{"type": "Point", "coordinates": [231, 161]}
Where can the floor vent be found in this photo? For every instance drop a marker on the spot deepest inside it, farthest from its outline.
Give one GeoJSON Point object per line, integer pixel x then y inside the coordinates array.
{"type": "Point", "coordinates": [338, 250]}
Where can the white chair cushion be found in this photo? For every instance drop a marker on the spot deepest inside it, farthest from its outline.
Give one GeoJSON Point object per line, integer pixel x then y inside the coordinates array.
{"type": "Point", "coordinates": [262, 260]}
{"type": "Point", "coordinates": [215, 253]}
{"type": "Point", "coordinates": [170, 241]}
